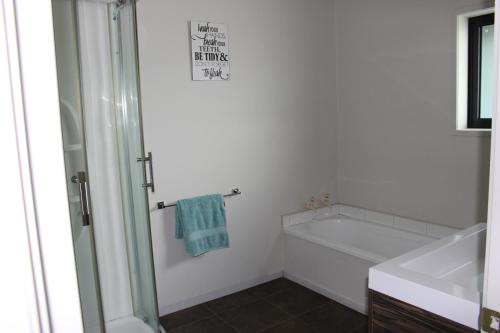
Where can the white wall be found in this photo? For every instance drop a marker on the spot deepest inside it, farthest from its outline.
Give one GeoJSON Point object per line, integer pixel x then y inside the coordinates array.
{"type": "Point", "coordinates": [268, 130]}
{"type": "Point", "coordinates": [397, 148]}
{"type": "Point", "coordinates": [354, 97]}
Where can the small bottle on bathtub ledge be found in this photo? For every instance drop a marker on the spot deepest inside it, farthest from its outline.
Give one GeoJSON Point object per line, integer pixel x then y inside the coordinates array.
{"type": "Point", "coordinates": [321, 205]}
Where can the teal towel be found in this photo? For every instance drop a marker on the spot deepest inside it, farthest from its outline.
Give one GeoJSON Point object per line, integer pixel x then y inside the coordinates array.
{"type": "Point", "coordinates": [201, 221]}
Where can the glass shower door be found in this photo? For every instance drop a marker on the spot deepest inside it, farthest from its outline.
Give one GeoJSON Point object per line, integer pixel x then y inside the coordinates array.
{"type": "Point", "coordinates": [68, 74]}
{"type": "Point", "coordinates": [132, 161]}
{"type": "Point", "coordinates": [97, 63]}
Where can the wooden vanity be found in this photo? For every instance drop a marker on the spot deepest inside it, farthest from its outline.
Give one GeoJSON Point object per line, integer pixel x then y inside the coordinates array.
{"type": "Point", "coordinates": [389, 315]}
{"type": "Point", "coordinates": [435, 288]}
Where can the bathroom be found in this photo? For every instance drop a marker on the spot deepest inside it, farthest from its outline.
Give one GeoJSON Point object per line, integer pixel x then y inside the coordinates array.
{"type": "Point", "coordinates": [353, 99]}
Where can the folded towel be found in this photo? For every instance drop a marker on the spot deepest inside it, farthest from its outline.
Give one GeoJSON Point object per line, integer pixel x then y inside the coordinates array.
{"type": "Point", "coordinates": [201, 221]}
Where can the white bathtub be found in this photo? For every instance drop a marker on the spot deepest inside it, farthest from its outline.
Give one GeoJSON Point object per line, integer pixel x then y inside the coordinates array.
{"type": "Point", "coordinates": [333, 253]}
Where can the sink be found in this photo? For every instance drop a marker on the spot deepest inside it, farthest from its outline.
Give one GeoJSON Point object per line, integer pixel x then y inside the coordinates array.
{"type": "Point", "coordinates": [444, 277]}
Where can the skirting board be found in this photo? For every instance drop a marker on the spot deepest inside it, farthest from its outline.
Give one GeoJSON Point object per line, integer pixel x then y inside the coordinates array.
{"type": "Point", "coordinates": [350, 303]}
{"type": "Point", "coordinates": [218, 293]}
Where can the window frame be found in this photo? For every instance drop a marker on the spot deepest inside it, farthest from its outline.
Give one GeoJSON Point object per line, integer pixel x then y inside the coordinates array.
{"type": "Point", "coordinates": [475, 24]}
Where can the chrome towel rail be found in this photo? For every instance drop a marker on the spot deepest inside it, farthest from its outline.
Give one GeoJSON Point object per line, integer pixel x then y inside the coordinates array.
{"type": "Point", "coordinates": [234, 191]}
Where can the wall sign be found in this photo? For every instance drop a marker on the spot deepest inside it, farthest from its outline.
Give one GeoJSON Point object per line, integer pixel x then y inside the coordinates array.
{"type": "Point", "coordinates": [209, 51]}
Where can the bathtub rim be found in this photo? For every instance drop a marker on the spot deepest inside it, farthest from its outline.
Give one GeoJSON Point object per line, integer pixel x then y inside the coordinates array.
{"type": "Point", "coordinates": [342, 247]}
{"type": "Point", "coordinates": [424, 228]}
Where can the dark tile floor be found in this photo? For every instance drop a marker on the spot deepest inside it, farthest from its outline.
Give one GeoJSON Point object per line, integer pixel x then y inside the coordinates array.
{"type": "Point", "coordinates": [278, 306]}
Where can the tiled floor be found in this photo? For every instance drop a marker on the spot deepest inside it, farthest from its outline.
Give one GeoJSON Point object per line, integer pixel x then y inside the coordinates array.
{"type": "Point", "coordinates": [278, 306]}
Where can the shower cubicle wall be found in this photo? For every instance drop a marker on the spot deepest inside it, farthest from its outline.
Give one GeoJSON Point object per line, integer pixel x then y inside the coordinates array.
{"type": "Point", "coordinates": [114, 142]}
{"type": "Point", "coordinates": [110, 100]}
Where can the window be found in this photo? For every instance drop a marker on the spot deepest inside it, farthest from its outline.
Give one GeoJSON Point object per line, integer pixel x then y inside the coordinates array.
{"type": "Point", "coordinates": [475, 76]}
{"type": "Point", "coordinates": [480, 71]}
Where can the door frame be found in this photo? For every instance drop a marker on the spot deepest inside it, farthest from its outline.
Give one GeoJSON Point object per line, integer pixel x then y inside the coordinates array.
{"type": "Point", "coordinates": [491, 289]}
{"type": "Point", "coordinates": [42, 206]}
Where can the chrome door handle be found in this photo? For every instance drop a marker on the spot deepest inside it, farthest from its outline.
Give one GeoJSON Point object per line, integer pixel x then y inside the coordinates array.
{"type": "Point", "coordinates": [83, 191]}
{"type": "Point", "coordinates": [147, 184]}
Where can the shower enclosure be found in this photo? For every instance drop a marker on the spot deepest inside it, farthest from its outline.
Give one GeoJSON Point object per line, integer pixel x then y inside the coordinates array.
{"type": "Point", "coordinates": [97, 64]}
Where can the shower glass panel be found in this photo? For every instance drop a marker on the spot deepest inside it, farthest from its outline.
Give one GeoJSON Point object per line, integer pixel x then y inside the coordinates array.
{"type": "Point", "coordinates": [97, 64]}
{"type": "Point", "coordinates": [131, 153]}
{"type": "Point", "coordinates": [75, 158]}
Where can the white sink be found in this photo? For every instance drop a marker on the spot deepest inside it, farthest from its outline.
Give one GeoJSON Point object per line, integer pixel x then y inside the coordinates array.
{"type": "Point", "coordinates": [444, 277]}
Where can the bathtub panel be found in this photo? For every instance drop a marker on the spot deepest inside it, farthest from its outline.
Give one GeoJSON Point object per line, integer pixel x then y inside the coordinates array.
{"type": "Point", "coordinates": [332, 273]}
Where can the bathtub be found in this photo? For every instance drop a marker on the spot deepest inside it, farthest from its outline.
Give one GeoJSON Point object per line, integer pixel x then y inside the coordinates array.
{"type": "Point", "coordinates": [332, 249]}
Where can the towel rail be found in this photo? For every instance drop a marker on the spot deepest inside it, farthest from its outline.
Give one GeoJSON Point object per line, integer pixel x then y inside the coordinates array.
{"type": "Point", "coordinates": [234, 191]}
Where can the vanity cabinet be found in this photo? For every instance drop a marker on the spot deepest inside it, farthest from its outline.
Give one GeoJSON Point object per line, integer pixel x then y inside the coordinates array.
{"type": "Point", "coordinates": [389, 315]}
